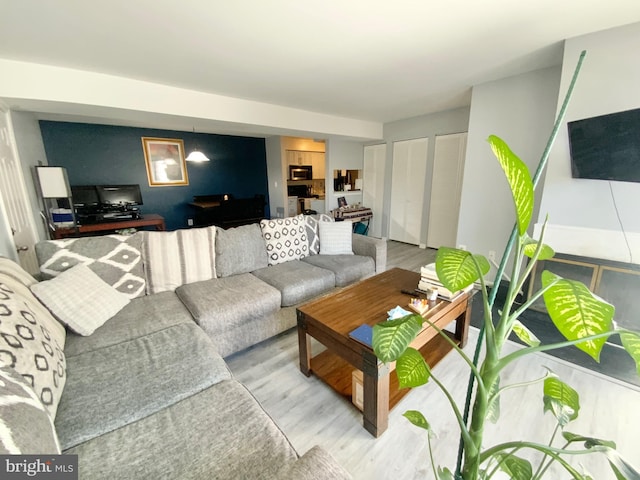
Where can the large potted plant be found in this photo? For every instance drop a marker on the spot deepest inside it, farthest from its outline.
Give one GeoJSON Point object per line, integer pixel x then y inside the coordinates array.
{"type": "Point", "coordinates": [585, 320]}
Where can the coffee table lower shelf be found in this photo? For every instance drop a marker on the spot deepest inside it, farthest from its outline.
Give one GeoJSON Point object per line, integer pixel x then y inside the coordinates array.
{"type": "Point", "coordinates": [336, 372]}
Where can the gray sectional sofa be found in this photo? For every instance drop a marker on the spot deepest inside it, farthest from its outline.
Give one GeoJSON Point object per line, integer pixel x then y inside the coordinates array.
{"type": "Point", "coordinates": [147, 393]}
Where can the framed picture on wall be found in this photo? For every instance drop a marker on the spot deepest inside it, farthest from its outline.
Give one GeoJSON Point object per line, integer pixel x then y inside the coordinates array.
{"type": "Point", "coordinates": [165, 161]}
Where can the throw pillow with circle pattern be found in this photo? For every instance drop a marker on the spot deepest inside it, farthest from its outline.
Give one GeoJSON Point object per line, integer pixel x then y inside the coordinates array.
{"type": "Point", "coordinates": [285, 238]}
{"type": "Point", "coordinates": [27, 427]}
{"type": "Point", "coordinates": [29, 342]}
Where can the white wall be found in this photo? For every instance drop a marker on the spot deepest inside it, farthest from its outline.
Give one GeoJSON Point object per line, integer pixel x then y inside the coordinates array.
{"type": "Point", "coordinates": [78, 92]}
{"type": "Point", "coordinates": [441, 123]}
{"type": "Point", "coordinates": [342, 155]}
{"type": "Point", "coordinates": [275, 176]}
{"type": "Point", "coordinates": [520, 110]}
{"type": "Point", "coordinates": [582, 216]}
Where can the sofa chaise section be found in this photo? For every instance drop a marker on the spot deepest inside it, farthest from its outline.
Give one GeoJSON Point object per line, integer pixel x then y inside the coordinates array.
{"type": "Point", "coordinates": [219, 433]}
{"type": "Point", "coordinates": [114, 386]}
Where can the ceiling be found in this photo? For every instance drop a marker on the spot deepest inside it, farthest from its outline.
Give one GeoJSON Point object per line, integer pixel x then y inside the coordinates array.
{"type": "Point", "coordinates": [371, 60]}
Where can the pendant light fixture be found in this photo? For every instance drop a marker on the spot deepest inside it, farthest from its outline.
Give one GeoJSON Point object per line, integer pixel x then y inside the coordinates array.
{"type": "Point", "coordinates": [196, 155]}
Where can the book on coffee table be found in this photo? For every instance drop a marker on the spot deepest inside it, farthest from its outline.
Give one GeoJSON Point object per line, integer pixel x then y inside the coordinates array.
{"type": "Point", "coordinates": [363, 334]}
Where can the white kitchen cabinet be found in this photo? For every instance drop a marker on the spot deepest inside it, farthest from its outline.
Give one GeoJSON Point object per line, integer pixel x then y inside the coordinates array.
{"type": "Point", "coordinates": [300, 157]}
{"type": "Point", "coordinates": [407, 190]}
{"type": "Point", "coordinates": [318, 165]}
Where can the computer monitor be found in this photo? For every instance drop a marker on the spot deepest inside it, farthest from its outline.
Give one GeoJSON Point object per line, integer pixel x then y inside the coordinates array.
{"type": "Point", "coordinates": [121, 195]}
{"type": "Point", "coordinates": [85, 195]}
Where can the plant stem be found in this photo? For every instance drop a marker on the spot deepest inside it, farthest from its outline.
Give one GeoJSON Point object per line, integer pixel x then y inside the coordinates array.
{"type": "Point", "coordinates": [460, 352]}
{"type": "Point", "coordinates": [463, 427]}
{"type": "Point", "coordinates": [504, 361]}
{"type": "Point", "coordinates": [517, 385]}
{"type": "Point", "coordinates": [553, 436]}
{"type": "Point", "coordinates": [546, 467]}
{"type": "Point", "coordinates": [433, 464]}
{"type": "Point", "coordinates": [552, 452]}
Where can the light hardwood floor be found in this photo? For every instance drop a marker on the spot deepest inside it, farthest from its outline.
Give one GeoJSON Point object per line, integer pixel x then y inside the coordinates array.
{"type": "Point", "coordinates": [310, 413]}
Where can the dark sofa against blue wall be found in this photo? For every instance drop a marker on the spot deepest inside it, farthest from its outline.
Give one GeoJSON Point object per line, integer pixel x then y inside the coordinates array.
{"type": "Point", "coordinates": [104, 154]}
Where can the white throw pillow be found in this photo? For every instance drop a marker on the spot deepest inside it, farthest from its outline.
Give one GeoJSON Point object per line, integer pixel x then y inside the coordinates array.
{"type": "Point", "coordinates": [80, 299]}
{"type": "Point", "coordinates": [312, 222]}
{"type": "Point", "coordinates": [176, 258]}
{"type": "Point", "coordinates": [335, 238]}
{"type": "Point", "coordinates": [285, 238]}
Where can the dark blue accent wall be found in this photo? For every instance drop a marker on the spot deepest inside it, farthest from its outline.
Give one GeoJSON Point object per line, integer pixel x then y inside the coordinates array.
{"type": "Point", "coordinates": [104, 154]}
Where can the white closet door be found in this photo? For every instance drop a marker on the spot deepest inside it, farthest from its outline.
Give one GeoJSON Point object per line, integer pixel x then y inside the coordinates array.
{"type": "Point", "coordinates": [446, 187]}
{"type": "Point", "coordinates": [407, 190]}
{"type": "Point", "coordinates": [373, 185]}
{"type": "Point", "coordinates": [15, 201]}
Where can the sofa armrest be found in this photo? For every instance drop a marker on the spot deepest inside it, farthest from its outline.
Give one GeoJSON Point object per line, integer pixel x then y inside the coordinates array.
{"type": "Point", "coordinates": [375, 248]}
{"type": "Point", "coordinates": [316, 464]}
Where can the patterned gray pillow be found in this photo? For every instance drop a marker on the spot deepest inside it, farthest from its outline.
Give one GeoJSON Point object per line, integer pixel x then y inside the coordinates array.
{"type": "Point", "coordinates": [29, 342]}
{"type": "Point", "coordinates": [286, 239]}
{"type": "Point", "coordinates": [311, 222]}
{"type": "Point", "coordinates": [27, 427]}
{"type": "Point", "coordinates": [116, 259]}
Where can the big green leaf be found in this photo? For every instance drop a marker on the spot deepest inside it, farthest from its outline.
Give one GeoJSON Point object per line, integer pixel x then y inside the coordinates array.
{"type": "Point", "coordinates": [589, 442]}
{"type": "Point", "coordinates": [531, 245]}
{"type": "Point", "coordinates": [561, 400]}
{"type": "Point", "coordinates": [517, 468]}
{"type": "Point", "coordinates": [519, 179]}
{"type": "Point", "coordinates": [392, 337]}
{"type": "Point", "coordinates": [456, 268]}
{"type": "Point", "coordinates": [631, 343]}
{"type": "Point", "coordinates": [415, 417]}
{"type": "Point", "coordinates": [411, 369]}
{"type": "Point", "coordinates": [524, 334]}
{"type": "Point", "coordinates": [577, 313]}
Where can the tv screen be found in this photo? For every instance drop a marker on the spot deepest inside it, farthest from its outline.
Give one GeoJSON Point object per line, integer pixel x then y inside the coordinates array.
{"type": "Point", "coordinates": [606, 147]}
{"type": "Point", "coordinates": [119, 194]}
{"type": "Point", "coordinates": [84, 195]}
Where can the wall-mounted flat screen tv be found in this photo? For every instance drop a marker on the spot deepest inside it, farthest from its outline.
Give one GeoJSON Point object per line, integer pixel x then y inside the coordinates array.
{"type": "Point", "coordinates": [606, 147]}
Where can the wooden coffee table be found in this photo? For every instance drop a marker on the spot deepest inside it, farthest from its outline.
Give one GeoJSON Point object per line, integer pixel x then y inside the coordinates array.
{"type": "Point", "coordinates": [329, 320]}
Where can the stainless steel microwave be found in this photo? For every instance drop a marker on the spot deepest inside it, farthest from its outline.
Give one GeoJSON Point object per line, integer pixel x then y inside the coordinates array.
{"type": "Point", "coordinates": [300, 172]}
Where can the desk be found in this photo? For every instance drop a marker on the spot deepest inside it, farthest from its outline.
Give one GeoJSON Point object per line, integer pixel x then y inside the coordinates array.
{"type": "Point", "coordinates": [226, 211]}
{"type": "Point", "coordinates": [148, 220]}
{"type": "Point", "coordinates": [353, 214]}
